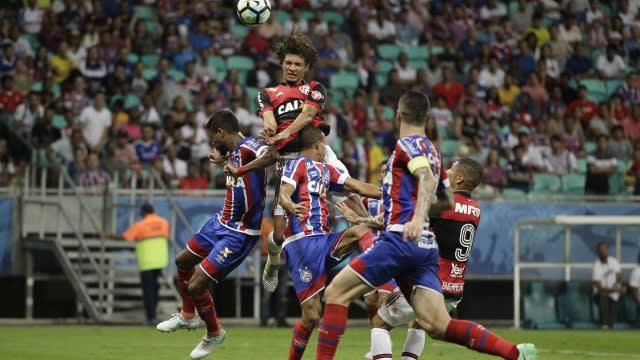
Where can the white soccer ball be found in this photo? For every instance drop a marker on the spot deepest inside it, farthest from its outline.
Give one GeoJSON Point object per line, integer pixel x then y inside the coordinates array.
{"type": "Point", "coordinates": [253, 12]}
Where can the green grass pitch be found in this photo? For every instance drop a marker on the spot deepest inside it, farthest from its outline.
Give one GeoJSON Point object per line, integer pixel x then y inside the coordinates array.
{"type": "Point", "coordinates": [111, 343]}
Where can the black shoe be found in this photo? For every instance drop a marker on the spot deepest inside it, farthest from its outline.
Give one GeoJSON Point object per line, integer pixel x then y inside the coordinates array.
{"type": "Point", "coordinates": [282, 323]}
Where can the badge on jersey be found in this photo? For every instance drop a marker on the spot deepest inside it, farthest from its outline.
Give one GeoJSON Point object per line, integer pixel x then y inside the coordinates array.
{"type": "Point", "coordinates": [306, 275]}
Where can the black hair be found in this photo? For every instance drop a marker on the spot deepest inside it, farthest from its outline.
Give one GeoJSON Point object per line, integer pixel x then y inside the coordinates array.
{"type": "Point", "coordinates": [309, 136]}
{"type": "Point", "coordinates": [223, 120]}
{"type": "Point", "coordinates": [146, 209]}
{"type": "Point", "coordinates": [297, 43]}
{"type": "Point", "coordinates": [471, 170]}
{"type": "Point", "coordinates": [414, 107]}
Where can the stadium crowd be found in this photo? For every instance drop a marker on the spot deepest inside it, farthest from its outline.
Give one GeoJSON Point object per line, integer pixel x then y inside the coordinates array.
{"type": "Point", "coordinates": [541, 92]}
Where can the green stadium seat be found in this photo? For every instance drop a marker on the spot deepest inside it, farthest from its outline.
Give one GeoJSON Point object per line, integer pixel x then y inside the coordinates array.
{"type": "Point", "coordinates": [546, 183]}
{"type": "Point", "coordinates": [582, 165]}
{"type": "Point", "coordinates": [240, 63]}
{"type": "Point", "coordinates": [152, 26]}
{"type": "Point", "coordinates": [385, 66]}
{"type": "Point", "coordinates": [145, 12]}
{"type": "Point", "coordinates": [594, 85]}
{"type": "Point", "coordinates": [442, 131]}
{"type": "Point", "coordinates": [282, 16]}
{"type": "Point", "coordinates": [382, 79]}
{"type": "Point", "coordinates": [35, 44]}
{"type": "Point", "coordinates": [37, 86]}
{"type": "Point", "coordinates": [307, 15]}
{"type": "Point", "coordinates": [133, 58]}
{"type": "Point", "coordinates": [418, 64]}
{"type": "Point", "coordinates": [612, 85]}
{"type": "Point", "coordinates": [150, 60]}
{"type": "Point", "coordinates": [336, 99]}
{"type": "Point", "coordinates": [149, 74]}
{"type": "Point", "coordinates": [513, 194]}
{"type": "Point", "coordinates": [417, 52]}
{"type": "Point", "coordinates": [575, 308]}
{"type": "Point", "coordinates": [220, 76]}
{"type": "Point", "coordinates": [252, 95]}
{"type": "Point", "coordinates": [334, 16]}
{"type": "Point", "coordinates": [389, 52]}
{"type": "Point", "coordinates": [218, 63]}
{"type": "Point", "coordinates": [241, 31]}
{"type": "Point", "coordinates": [616, 181]}
{"type": "Point", "coordinates": [436, 50]}
{"type": "Point", "coordinates": [345, 80]}
{"type": "Point", "coordinates": [176, 74]}
{"type": "Point", "coordinates": [539, 309]}
{"type": "Point", "coordinates": [59, 121]}
{"type": "Point", "coordinates": [573, 184]}
{"type": "Point", "coordinates": [388, 113]}
{"type": "Point", "coordinates": [450, 147]}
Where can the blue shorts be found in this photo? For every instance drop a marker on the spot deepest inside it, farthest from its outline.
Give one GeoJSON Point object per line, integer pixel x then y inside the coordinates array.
{"type": "Point", "coordinates": [221, 249]}
{"type": "Point", "coordinates": [309, 259]}
{"type": "Point", "coordinates": [411, 264]}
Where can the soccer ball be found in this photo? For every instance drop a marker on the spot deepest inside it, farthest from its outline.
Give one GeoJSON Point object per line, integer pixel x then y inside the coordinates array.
{"type": "Point", "coordinates": [253, 12]}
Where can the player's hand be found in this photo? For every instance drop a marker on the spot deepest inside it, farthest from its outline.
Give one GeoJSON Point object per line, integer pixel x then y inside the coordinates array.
{"type": "Point", "coordinates": [380, 220]}
{"type": "Point", "coordinates": [412, 230]}
{"type": "Point", "coordinates": [266, 133]}
{"type": "Point", "coordinates": [300, 210]}
{"type": "Point", "coordinates": [349, 214]}
{"type": "Point", "coordinates": [231, 170]}
{"type": "Point", "coordinates": [216, 158]}
{"type": "Point", "coordinates": [285, 134]}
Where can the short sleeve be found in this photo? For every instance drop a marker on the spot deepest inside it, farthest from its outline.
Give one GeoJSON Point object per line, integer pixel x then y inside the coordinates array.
{"type": "Point", "coordinates": [597, 272]}
{"type": "Point", "coordinates": [317, 97]}
{"type": "Point", "coordinates": [336, 178]}
{"type": "Point", "coordinates": [263, 102]}
{"type": "Point", "coordinates": [634, 281]}
{"type": "Point", "coordinates": [615, 264]}
{"type": "Point", "coordinates": [294, 170]}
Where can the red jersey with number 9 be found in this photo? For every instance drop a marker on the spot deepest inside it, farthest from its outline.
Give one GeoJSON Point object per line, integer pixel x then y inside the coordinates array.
{"type": "Point", "coordinates": [455, 231]}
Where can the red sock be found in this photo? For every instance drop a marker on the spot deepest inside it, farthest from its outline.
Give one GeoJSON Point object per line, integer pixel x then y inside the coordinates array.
{"type": "Point", "coordinates": [478, 338]}
{"type": "Point", "coordinates": [299, 342]}
{"type": "Point", "coordinates": [207, 312]}
{"type": "Point", "coordinates": [183, 276]}
{"type": "Point", "coordinates": [331, 329]}
{"type": "Point", "coordinates": [366, 240]}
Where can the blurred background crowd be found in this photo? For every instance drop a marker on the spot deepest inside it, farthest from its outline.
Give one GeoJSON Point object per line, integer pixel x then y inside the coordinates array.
{"type": "Point", "coordinates": [543, 93]}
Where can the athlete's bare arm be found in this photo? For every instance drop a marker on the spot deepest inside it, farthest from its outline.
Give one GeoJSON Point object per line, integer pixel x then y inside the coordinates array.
{"type": "Point", "coordinates": [270, 157]}
{"type": "Point", "coordinates": [352, 217]}
{"type": "Point", "coordinates": [270, 125]}
{"type": "Point", "coordinates": [426, 186]}
{"type": "Point", "coordinates": [363, 189]}
{"type": "Point", "coordinates": [285, 201]}
{"type": "Point", "coordinates": [442, 203]}
{"type": "Point", "coordinates": [303, 119]}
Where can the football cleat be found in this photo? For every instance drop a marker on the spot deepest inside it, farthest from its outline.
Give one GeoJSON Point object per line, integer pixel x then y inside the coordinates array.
{"type": "Point", "coordinates": [270, 277]}
{"type": "Point", "coordinates": [527, 352]}
{"type": "Point", "coordinates": [177, 322]}
{"type": "Point", "coordinates": [207, 344]}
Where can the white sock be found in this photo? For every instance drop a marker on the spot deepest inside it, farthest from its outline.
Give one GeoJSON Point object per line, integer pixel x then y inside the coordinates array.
{"type": "Point", "coordinates": [413, 345]}
{"type": "Point", "coordinates": [274, 251]}
{"type": "Point", "coordinates": [380, 343]}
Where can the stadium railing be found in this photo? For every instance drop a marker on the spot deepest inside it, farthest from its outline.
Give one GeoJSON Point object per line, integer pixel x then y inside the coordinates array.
{"type": "Point", "coordinates": [566, 265]}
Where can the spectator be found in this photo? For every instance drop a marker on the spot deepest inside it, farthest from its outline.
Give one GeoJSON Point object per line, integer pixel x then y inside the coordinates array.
{"type": "Point", "coordinates": [470, 47]}
{"type": "Point", "coordinates": [580, 64]}
{"type": "Point", "coordinates": [501, 48]}
{"type": "Point", "coordinates": [148, 112]}
{"type": "Point", "coordinates": [202, 68]}
{"type": "Point", "coordinates": [194, 180]}
{"type": "Point", "coordinates": [531, 157]}
{"type": "Point", "coordinates": [524, 110]}
{"type": "Point", "coordinates": [406, 33]}
{"type": "Point", "coordinates": [611, 65]}
{"type": "Point", "coordinates": [494, 174]}
{"type": "Point", "coordinates": [295, 22]}
{"type": "Point", "coordinates": [96, 122]}
{"type": "Point", "coordinates": [631, 124]}
{"type": "Point", "coordinates": [78, 165]}
{"type": "Point", "coordinates": [60, 64]}
{"type": "Point", "coordinates": [94, 178]}
{"type": "Point", "coordinates": [64, 148]}
{"type": "Point", "coordinates": [541, 33]}
{"type": "Point", "coordinates": [634, 284]}
{"type": "Point", "coordinates": [112, 164]}
{"type": "Point", "coordinates": [493, 75]}
{"type": "Point", "coordinates": [8, 60]}
{"type": "Point", "coordinates": [272, 28]}
{"type": "Point", "coordinates": [569, 31]}
{"type": "Point", "coordinates": [77, 99]}
{"type": "Point", "coordinates": [407, 75]}
{"type": "Point", "coordinates": [124, 150]}
{"type": "Point", "coordinates": [440, 114]}
{"type": "Point", "coordinates": [522, 16]}
{"type": "Point", "coordinates": [192, 82]}
{"type": "Point", "coordinates": [583, 108]}
{"type": "Point", "coordinates": [476, 151]}
{"type": "Point", "coordinates": [200, 39]}
{"type": "Point", "coordinates": [468, 124]}
{"type": "Point", "coordinates": [432, 74]}
{"type": "Point", "coordinates": [31, 18]}
{"type": "Point", "coordinates": [7, 167]}
{"type": "Point", "coordinates": [27, 113]}
{"type": "Point", "coordinates": [492, 12]}
{"type": "Point", "coordinates": [535, 88]}
{"type": "Point", "coordinates": [599, 124]}
{"type": "Point", "coordinates": [196, 136]}
{"type": "Point", "coordinates": [23, 77]}
{"type": "Point", "coordinates": [173, 168]}
{"type": "Point", "coordinates": [525, 61]}
{"type": "Point", "coordinates": [519, 175]}
{"type": "Point", "coordinates": [628, 90]}
{"type": "Point", "coordinates": [93, 68]}
{"type": "Point", "coordinates": [560, 48]}
{"type": "Point", "coordinates": [75, 52]}
{"type": "Point", "coordinates": [597, 36]}
{"type": "Point", "coordinates": [328, 61]}
{"type": "Point", "coordinates": [600, 166]}
{"type": "Point", "coordinates": [508, 92]}
{"type": "Point", "coordinates": [259, 76]}
{"type": "Point", "coordinates": [451, 90]}
{"type": "Point", "coordinates": [10, 98]}
{"type": "Point", "coordinates": [147, 148]}
{"type": "Point", "coordinates": [607, 285]}
{"type": "Point", "coordinates": [631, 46]}
{"type": "Point", "coordinates": [381, 29]}
{"type": "Point", "coordinates": [559, 161]}
{"type": "Point", "coordinates": [619, 146]}
{"type": "Point", "coordinates": [44, 133]}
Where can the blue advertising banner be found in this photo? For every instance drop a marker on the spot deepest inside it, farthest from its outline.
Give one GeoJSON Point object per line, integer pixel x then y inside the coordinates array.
{"type": "Point", "coordinates": [6, 234]}
{"type": "Point", "coordinates": [493, 247]}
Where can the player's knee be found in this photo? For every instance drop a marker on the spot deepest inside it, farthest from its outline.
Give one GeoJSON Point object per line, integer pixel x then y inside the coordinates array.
{"type": "Point", "coordinates": [311, 313]}
{"type": "Point", "coordinates": [434, 329]}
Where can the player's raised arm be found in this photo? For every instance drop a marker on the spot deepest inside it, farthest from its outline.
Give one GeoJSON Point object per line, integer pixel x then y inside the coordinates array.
{"type": "Point", "coordinates": [355, 219]}
{"type": "Point", "coordinates": [361, 188]}
{"type": "Point", "coordinates": [265, 111]}
{"type": "Point", "coordinates": [421, 170]}
{"type": "Point", "coordinates": [286, 190]}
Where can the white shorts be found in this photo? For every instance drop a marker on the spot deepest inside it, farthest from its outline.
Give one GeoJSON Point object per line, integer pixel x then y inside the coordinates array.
{"type": "Point", "coordinates": [396, 310]}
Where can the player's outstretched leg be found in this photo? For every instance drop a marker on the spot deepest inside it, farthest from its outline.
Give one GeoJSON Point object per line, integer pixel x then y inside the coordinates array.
{"type": "Point", "coordinates": [187, 318]}
{"type": "Point", "coordinates": [311, 310]}
{"type": "Point", "coordinates": [270, 272]}
{"type": "Point", "coordinates": [432, 316]}
{"type": "Point", "coordinates": [199, 289]}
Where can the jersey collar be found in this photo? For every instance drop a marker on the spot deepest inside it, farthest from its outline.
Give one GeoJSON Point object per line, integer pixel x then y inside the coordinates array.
{"type": "Point", "coordinates": [302, 82]}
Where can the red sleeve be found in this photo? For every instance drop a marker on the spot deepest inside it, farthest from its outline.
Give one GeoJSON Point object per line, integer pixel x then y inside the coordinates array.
{"type": "Point", "coordinates": [264, 102]}
{"type": "Point", "coordinates": [317, 96]}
